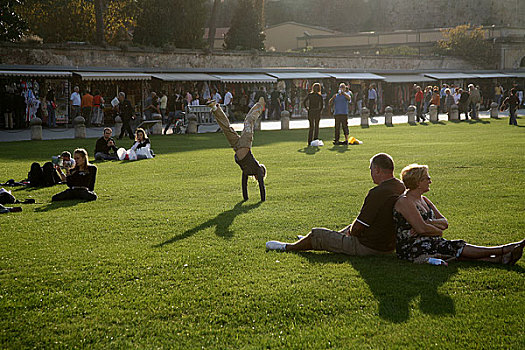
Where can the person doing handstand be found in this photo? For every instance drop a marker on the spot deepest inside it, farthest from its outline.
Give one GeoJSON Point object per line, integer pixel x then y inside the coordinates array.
{"type": "Point", "coordinates": [242, 145]}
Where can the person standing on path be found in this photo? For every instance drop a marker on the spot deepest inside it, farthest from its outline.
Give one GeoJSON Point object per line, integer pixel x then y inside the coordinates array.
{"type": "Point", "coordinates": [126, 114]}
{"type": "Point", "coordinates": [314, 104]}
{"type": "Point", "coordinates": [340, 106]}
{"type": "Point", "coordinates": [75, 101]}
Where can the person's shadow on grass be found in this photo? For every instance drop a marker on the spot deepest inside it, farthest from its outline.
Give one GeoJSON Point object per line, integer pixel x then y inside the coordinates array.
{"type": "Point", "coordinates": [222, 223]}
{"type": "Point", "coordinates": [58, 204]}
{"type": "Point", "coordinates": [397, 284]}
{"type": "Point", "coordinates": [309, 150]}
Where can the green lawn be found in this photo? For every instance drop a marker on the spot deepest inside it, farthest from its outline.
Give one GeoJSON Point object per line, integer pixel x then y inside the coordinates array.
{"type": "Point", "coordinates": [170, 257]}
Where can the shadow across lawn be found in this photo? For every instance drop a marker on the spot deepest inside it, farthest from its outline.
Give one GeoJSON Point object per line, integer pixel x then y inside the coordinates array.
{"type": "Point", "coordinates": [395, 284]}
{"type": "Point", "coordinates": [222, 223]}
{"type": "Point", "coordinates": [57, 205]}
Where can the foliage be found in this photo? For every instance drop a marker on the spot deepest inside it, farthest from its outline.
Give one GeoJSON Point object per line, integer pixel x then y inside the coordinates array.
{"type": "Point", "coordinates": [97, 275]}
{"type": "Point", "coordinates": [399, 51]}
{"type": "Point", "coordinates": [176, 22]}
{"type": "Point", "coordinates": [12, 26]}
{"type": "Point", "coordinates": [245, 30]}
{"type": "Point", "coordinates": [58, 21]}
{"type": "Point", "coordinates": [466, 42]}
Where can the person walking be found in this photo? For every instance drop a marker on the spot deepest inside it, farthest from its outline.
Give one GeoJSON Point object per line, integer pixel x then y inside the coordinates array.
{"type": "Point", "coordinates": [314, 105]}
{"type": "Point", "coordinates": [75, 101]}
{"type": "Point", "coordinates": [418, 98]}
{"type": "Point", "coordinates": [513, 102]}
{"type": "Point", "coordinates": [51, 107]}
{"type": "Point", "coordinates": [87, 107]}
{"type": "Point", "coordinates": [125, 110]}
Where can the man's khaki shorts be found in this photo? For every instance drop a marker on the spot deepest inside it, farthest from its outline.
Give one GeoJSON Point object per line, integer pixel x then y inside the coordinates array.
{"type": "Point", "coordinates": [336, 242]}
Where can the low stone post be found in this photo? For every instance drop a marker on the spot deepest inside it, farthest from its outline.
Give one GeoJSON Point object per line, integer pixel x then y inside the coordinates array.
{"type": "Point", "coordinates": [157, 127]}
{"type": "Point", "coordinates": [36, 128]}
{"type": "Point", "coordinates": [389, 113]}
{"type": "Point", "coordinates": [192, 124]}
{"type": "Point", "coordinates": [453, 114]}
{"type": "Point", "coordinates": [118, 126]}
{"type": "Point", "coordinates": [411, 113]}
{"type": "Point", "coordinates": [80, 127]}
{"type": "Point", "coordinates": [433, 111]}
{"type": "Point", "coordinates": [365, 115]}
{"type": "Point", "coordinates": [285, 120]}
{"type": "Point", "coordinates": [494, 112]}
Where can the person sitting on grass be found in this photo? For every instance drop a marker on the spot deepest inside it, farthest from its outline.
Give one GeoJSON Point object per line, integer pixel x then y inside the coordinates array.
{"type": "Point", "coordinates": [80, 179]}
{"type": "Point", "coordinates": [242, 145]}
{"type": "Point", "coordinates": [372, 232]}
{"type": "Point", "coordinates": [105, 148]}
{"type": "Point", "coordinates": [141, 149]}
{"type": "Point", "coordinates": [420, 226]}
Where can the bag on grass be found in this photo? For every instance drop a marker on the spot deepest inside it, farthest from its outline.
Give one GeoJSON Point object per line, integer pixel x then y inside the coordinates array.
{"type": "Point", "coordinates": [6, 197]}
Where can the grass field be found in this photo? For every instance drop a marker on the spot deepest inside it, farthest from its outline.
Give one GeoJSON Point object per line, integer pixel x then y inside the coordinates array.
{"type": "Point", "coordinates": [170, 257]}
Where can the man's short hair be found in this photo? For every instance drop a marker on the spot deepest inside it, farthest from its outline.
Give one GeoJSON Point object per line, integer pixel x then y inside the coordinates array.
{"type": "Point", "coordinates": [108, 129]}
{"type": "Point", "coordinates": [382, 161]}
{"type": "Point", "coordinates": [122, 94]}
{"type": "Point", "coordinates": [65, 154]}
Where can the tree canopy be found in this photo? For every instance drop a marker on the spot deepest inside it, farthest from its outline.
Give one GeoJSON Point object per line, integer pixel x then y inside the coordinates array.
{"type": "Point", "coordinates": [246, 30]}
{"type": "Point", "coordinates": [12, 26]}
{"type": "Point", "coordinates": [466, 42]}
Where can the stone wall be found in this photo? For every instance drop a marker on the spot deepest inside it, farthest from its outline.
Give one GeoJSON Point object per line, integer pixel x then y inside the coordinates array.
{"type": "Point", "coordinates": [83, 56]}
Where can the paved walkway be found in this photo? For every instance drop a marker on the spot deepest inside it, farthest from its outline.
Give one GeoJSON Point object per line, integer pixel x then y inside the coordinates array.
{"type": "Point", "coordinates": [69, 133]}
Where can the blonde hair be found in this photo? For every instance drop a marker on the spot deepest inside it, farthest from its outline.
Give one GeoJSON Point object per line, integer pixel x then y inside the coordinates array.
{"type": "Point", "coordinates": [316, 88]}
{"type": "Point", "coordinates": [413, 174]}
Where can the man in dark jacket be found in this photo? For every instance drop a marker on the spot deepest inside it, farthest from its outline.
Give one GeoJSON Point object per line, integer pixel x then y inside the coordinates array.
{"type": "Point", "coordinates": [105, 148]}
{"type": "Point", "coordinates": [126, 114]}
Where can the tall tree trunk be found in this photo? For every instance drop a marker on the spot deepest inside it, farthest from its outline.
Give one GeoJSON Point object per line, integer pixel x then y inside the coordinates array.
{"type": "Point", "coordinates": [213, 24]}
{"type": "Point", "coordinates": [99, 19]}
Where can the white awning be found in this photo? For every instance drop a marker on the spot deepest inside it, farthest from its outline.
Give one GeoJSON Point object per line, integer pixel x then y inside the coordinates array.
{"type": "Point", "coordinates": [34, 73]}
{"type": "Point", "coordinates": [515, 75]}
{"type": "Point", "coordinates": [298, 75]}
{"type": "Point", "coordinates": [450, 76]}
{"type": "Point", "coordinates": [491, 75]}
{"type": "Point", "coordinates": [356, 76]}
{"type": "Point", "coordinates": [245, 78]}
{"type": "Point", "coordinates": [184, 77]}
{"type": "Point", "coordinates": [406, 78]}
{"type": "Point", "coordinates": [113, 76]}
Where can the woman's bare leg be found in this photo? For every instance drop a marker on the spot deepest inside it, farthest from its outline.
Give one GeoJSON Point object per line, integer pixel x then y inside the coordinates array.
{"type": "Point", "coordinates": [502, 253]}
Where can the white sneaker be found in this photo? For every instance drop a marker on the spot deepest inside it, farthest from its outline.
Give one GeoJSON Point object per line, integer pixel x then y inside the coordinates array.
{"type": "Point", "coordinates": [275, 245]}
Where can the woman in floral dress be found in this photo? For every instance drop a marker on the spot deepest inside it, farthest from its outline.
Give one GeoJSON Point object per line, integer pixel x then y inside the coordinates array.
{"type": "Point", "coordinates": [420, 226]}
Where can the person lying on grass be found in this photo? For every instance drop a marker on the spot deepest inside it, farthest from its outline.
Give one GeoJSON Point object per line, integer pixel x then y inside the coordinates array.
{"type": "Point", "coordinates": [372, 232]}
{"type": "Point", "coordinates": [242, 145]}
{"type": "Point", "coordinates": [80, 179]}
{"type": "Point", "coordinates": [420, 226]}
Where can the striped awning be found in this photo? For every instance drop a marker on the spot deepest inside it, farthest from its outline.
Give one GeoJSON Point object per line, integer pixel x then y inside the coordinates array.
{"type": "Point", "coordinates": [356, 76]}
{"type": "Point", "coordinates": [113, 76]}
{"type": "Point", "coordinates": [34, 73]}
{"type": "Point", "coordinates": [245, 78]}
{"type": "Point", "coordinates": [450, 76]}
{"type": "Point", "coordinates": [298, 75]}
{"type": "Point", "coordinates": [184, 77]}
{"type": "Point", "coordinates": [406, 78]}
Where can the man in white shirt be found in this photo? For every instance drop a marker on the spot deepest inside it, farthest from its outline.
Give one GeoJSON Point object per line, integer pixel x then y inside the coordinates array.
{"type": "Point", "coordinates": [216, 96]}
{"type": "Point", "coordinates": [228, 99]}
{"type": "Point", "coordinates": [75, 101]}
